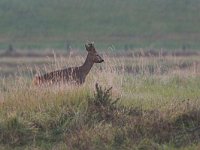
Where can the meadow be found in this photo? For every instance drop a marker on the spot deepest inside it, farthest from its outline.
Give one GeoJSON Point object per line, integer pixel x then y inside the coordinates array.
{"type": "Point", "coordinates": [145, 96]}
{"type": "Point", "coordinates": [128, 102]}
{"type": "Point", "coordinates": [126, 24]}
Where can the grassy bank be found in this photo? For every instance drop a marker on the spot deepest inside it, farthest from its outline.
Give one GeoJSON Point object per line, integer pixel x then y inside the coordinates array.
{"type": "Point", "coordinates": [153, 104]}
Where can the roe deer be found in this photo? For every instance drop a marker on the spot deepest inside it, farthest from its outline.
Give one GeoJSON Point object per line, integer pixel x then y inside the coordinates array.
{"type": "Point", "coordinates": [74, 74]}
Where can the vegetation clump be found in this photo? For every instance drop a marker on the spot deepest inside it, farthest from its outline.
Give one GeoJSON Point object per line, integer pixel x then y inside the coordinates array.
{"type": "Point", "coordinates": [102, 107]}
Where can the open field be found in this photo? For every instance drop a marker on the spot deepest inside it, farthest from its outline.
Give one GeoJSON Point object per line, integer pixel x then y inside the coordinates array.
{"type": "Point", "coordinates": [145, 96]}
{"type": "Point", "coordinates": [43, 24]}
{"type": "Point", "coordinates": [154, 103]}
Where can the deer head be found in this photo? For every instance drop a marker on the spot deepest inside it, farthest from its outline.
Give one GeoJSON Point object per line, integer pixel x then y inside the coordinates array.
{"type": "Point", "coordinates": [92, 54]}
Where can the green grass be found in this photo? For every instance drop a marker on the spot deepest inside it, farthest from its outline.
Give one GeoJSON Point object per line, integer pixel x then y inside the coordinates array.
{"type": "Point", "coordinates": [131, 23]}
{"type": "Point", "coordinates": [143, 110]}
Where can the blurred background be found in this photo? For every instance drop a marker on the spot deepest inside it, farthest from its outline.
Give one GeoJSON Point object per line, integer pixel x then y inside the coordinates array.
{"type": "Point", "coordinates": [31, 25]}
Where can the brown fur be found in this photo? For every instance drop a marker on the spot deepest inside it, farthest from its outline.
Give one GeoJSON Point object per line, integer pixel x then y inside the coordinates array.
{"type": "Point", "coordinates": [72, 74]}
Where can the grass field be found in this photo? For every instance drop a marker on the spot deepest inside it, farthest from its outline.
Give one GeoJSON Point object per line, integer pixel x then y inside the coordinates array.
{"type": "Point", "coordinates": [145, 96]}
{"type": "Point", "coordinates": [130, 24]}
{"type": "Point", "coordinates": [153, 104]}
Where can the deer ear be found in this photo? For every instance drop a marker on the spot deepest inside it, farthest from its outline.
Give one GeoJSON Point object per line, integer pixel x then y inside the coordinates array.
{"type": "Point", "coordinates": [90, 47]}
{"type": "Point", "coordinates": [87, 47]}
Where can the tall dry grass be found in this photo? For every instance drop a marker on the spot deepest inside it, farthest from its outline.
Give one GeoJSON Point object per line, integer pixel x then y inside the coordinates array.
{"type": "Point", "coordinates": [155, 93]}
{"type": "Point", "coordinates": [124, 74]}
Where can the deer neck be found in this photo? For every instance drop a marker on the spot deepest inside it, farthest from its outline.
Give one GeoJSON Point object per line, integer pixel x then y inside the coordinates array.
{"type": "Point", "coordinates": [87, 65]}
